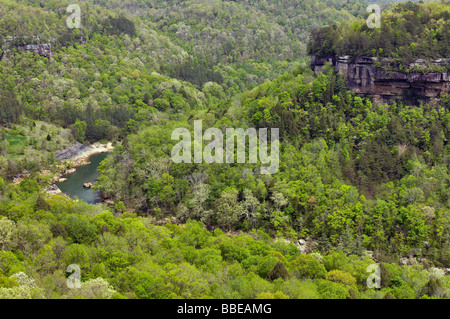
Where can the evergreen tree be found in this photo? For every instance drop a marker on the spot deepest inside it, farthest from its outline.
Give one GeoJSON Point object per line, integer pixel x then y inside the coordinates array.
{"type": "Point", "coordinates": [278, 271]}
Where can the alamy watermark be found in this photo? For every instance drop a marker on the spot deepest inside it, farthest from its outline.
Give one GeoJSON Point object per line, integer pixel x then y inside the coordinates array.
{"type": "Point", "coordinates": [214, 151]}
{"type": "Point", "coordinates": [74, 20]}
{"type": "Point", "coordinates": [374, 19]}
{"type": "Point", "coordinates": [374, 280]}
{"type": "Point", "coordinates": [74, 280]}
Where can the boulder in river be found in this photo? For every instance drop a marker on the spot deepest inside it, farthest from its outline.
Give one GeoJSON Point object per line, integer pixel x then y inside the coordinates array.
{"type": "Point", "coordinates": [70, 171]}
{"type": "Point", "coordinates": [87, 185]}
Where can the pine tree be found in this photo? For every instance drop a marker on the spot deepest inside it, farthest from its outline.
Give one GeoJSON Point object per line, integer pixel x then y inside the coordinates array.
{"type": "Point", "coordinates": [359, 248]}
{"type": "Point", "coordinates": [278, 271]}
{"type": "Point", "coordinates": [347, 244]}
{"type": "Point", "coordinates": [324, 242]}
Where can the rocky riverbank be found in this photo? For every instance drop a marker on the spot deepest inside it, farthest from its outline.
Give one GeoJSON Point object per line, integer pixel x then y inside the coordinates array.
{"type": "Point", "coordinates": [79, 154]}
{"type": "Point", "coordinates": [73, 156]}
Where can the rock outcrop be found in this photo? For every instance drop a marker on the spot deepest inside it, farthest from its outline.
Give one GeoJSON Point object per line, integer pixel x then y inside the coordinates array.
{"type": "Point", "coordinates": [53, 189]}
{"type": "Point", "coordinates": [32, 44]}
{"type": "Point", "coordinates": [71, 151]}
{"type": "Point", "coordinates": [365, 79]}
{"type": "Point", "coordinates": [88, 185]}
{"type": "Point", "coordinates": [306, 246]}
{"type": "Point", "coordinates": [42, 49]}
{"type": "Point", "coordinates": [35, 44]}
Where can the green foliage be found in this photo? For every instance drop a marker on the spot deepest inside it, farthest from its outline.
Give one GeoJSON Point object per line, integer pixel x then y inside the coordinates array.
{"type": "Point", "coordinates": [9, 264]}
{"type": "Point", "coordinates": [119, 25]}
{"type": "Point", "coordinates": [306, 266]}
{"type": "Point", "coordinates": [29, 186]}
{"type": "Point", "coordinates": [341, 277]}
{"type": "Point", "coordinates": [278, 271]}
{"type": "Point", "coordinates": [354, 175]}
{"type": "Point", "coordinates": [299, 289]}
{"type": "Point", "coordinates": [184, 261]}
{"type": "Point", "coordinates": [79, 130]}
{"type": "Point", "coordinates": [409, 31]}
{"type": "Point", "coordinates": [150, 288]}
{"type": "Point", "coordinates": [6, 282]}
{"type": "Point", "coordinates": [79, 229]}
{"type": "Point", "coordinates": [331, 290]}
{"type": "Point", "coordinates": [75, 254]}
{"type": "Point", "coordinates": [195, 235]}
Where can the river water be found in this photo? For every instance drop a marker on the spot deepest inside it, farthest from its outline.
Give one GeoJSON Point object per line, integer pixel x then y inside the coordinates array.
{"type": "Point", "coordinates": [87, 173]}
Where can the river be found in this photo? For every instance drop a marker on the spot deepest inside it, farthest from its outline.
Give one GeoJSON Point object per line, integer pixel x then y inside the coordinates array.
{"type": "Point", "coordinates": [87, 173]}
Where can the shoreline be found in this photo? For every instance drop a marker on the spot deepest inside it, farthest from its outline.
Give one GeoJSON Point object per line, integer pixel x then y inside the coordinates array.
{"type": "Point", "coordinates": [69, 165]}
{"type": "Point", "coordinates": [82, 158]}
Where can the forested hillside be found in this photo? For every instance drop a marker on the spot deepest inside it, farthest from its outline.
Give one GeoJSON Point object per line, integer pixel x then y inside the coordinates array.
{"type": "Point", "coordinates": [358, 182]}
{"type": "Point", "coordinates": [126, 63]}
{"type": "Point", "coordinates": [408, 32]}
{"type": "Point", "coordinates": [343, 161]}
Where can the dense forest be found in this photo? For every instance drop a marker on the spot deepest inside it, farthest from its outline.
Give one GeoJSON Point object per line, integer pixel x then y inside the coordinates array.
{"type": "Point", "coordinates": [408, 32]}
{"type": "Point", "coordinates": [358, 184]}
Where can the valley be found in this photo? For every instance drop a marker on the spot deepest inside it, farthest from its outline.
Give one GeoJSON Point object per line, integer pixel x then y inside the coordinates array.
{"type": "Point", "coordinates": [361, 114]}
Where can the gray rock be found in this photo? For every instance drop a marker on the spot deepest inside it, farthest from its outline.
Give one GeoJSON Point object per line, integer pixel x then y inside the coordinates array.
{"type": "Point", "coordinates": [88, 185]}
{"type": "Point", "coordinates": [70, 152]}
{"type": "Point", "coordinates": [364, 78]}
{"type": "Point", "coordinates": [53, 188]}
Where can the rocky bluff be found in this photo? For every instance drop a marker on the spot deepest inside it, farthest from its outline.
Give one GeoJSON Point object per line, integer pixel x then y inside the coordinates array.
{"type": "Point", "coordinates": [31, 44]}
{"type": "Point", "coordinates": [366, 79]}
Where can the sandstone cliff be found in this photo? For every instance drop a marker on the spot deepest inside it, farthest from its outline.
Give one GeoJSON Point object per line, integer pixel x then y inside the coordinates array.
{"type": "Point", "coordinates": [365, 79]}
{"type": "Point", "coordinates": [26, 44]}
{"type": "Point", "coordinates": [42, 49]}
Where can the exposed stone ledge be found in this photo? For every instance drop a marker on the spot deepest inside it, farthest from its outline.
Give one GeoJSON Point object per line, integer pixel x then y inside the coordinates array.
{"type": "Point", "coordinates": [365, 79]}
{"type": "Point", "coordinates": [42, 49]}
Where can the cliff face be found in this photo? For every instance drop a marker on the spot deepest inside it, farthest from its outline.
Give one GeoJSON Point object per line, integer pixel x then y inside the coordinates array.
{"type": "Point", "coordinates": [364, 79]}
{"type": "Point", "coordinates": [42, 49]}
